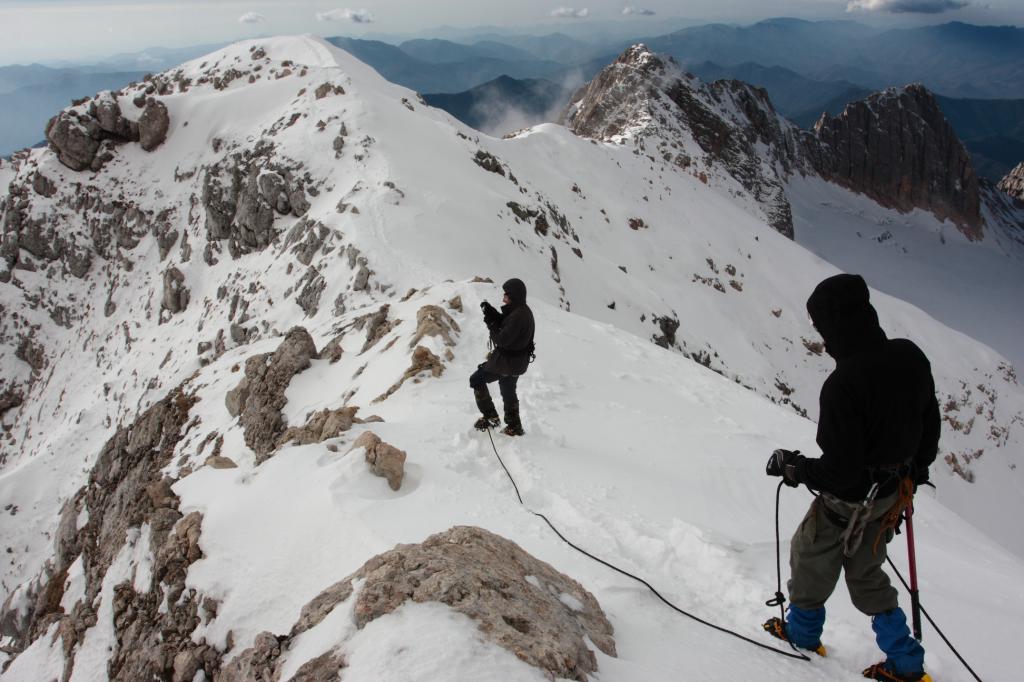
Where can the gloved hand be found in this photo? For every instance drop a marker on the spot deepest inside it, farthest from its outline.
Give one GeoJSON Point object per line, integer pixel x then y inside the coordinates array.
{"type": "Point", "coordinates": [491, 315]}
{"type": "Point", "coordinates": [783, 463]}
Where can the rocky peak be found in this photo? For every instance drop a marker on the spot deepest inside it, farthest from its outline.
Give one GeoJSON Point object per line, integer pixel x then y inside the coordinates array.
{"type": "Point", "coordinates": [733, 125]}
{"type": "Point", "coordinates": [1013, 183]}
{"type": "Point", "coordinates": [898, 148]}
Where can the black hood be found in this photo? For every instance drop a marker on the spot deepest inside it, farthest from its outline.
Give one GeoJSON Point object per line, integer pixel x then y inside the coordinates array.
{"type": "Point", "coordinates": [842, 313]}
{"type": "Point", "coordinates": [516, 290]}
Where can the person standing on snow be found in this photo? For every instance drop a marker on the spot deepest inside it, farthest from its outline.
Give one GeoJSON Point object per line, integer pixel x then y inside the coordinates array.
{"type": "Point", "coordinates": [878, 431]}
{"type": "Point", "coordinates": [511, 332]}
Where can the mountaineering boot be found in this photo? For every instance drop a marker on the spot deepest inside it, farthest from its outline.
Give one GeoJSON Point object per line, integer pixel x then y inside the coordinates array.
{"type": "Point", "coordinates": [488, 413]}
{"type": "Point", "coordinates": [904, 656]}
{"type": "Point", "coordinates": [879, 672]}
{"type": "Point", "coordinates": [513, 427]}
{"type": "Point", "coordinates": [776, 627]}
{"type": "Point", "coordinates": [484, 423]}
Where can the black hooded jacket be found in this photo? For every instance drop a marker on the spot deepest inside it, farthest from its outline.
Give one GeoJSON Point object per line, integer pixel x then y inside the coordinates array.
{"type": "Point", "coordinates": [877, 408]}
{"type": "Point", "coordinates": [512, 333]}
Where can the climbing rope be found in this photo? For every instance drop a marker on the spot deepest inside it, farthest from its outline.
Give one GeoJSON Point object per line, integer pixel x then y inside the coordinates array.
{"type": "Point", "coordinates": [643, 582]}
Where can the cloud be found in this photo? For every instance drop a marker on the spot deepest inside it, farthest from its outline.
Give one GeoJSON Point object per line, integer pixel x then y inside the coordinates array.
{"type": "Point", "coordinates": [251, 18]}
{"type": "Point", "coordinates": [356, 16]}
{"type": "Point", "coordinates": [570, 13]}
{"type": "Point", "coordinates": [906, 6]}
{"type": "Point", "coordinates": [637, 11]}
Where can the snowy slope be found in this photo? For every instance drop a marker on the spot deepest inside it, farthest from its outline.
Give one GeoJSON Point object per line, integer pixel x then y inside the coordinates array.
{"type": "Point", "coordinates": [609, 413]}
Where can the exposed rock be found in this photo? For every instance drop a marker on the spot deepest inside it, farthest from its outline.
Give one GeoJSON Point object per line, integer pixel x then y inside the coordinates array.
{"type": "Point", "coordinates": [127, 489]}
{"type": "Point", "coordinates": [1013, 183]}
{"type": "Point", "coordinates": [313, 285]}
{"type": "Point", "coordinates": [898, 148]}
{"type": "Point", "coordinates": [322, 425]}
{"type": "Point", "coordinates": [153, 125]}
{"type": "Point", "coordinates": [542, 616]}
{"type": "Point", "coordinates": [176, 295]}
{"type": "Point", "coordinates": [75, 139]}
{"type": "Point", "coordinates": [388, 462]}
{"type": "Point", "coordinates": [42, 185]}
{"type": "Point", "coordinates": [384, 459]}
{"type": "Point", "coordinates": [377, 326]}
{"type": "Point", "coordinates": [219, 462]}
{"type": "Point", "coordinates": [432, 320]}
{"type": "Point", "coordinates": [10, 398]}
{"type": "Point", "coordinates": [235, 399]}
{"type": "Point", "coordinates": [333, 351]}
{"type": "Point", "coordinates": [423, 360]}
{"type": "Point", "coordinates": [456, 304]}
{"type": "Point", "coordinates": [260, 394]}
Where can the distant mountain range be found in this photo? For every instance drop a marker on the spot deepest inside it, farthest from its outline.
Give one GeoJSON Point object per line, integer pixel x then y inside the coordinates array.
{"type": "Point", "coordinates": [806, 67]}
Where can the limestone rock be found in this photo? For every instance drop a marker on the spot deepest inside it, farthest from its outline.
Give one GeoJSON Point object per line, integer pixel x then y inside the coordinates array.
{"type": "Point", "coordinates": [321, 426]}
{"type": "Point", "coordinates": [219, 462]}
{"type": "Point", "coordinates": [432, 320]}
{"type": "Point", "coordinates": [75, 139]}
{"type": "Point", "coordinates": [266, 378]}
{"type": "Point", "coordinates": [384, 459]}
{"type": "Point", "coordinates": [542, 616]}
{"type": "Point", "coordinates": [236, 397]}
{"type": "Point", "coordinates": [897, 147]}
{"type": "Point", "coordinates": [176, 295]}
{"type": "Point", "coordinates": [423, 360]}
{"type": "Point", "coordinates": [153, 125]}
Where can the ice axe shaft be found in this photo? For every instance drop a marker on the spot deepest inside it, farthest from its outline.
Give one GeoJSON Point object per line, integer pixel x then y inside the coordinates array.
{"type": "Point", "coordinates": [915, 603]}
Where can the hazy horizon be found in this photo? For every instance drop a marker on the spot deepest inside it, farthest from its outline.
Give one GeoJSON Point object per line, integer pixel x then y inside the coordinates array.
{"type": "Point", "coordinates": [81, 31]}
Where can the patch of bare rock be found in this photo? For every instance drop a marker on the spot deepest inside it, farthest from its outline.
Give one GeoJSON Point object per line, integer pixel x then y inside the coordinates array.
{"type": "Point", "coordinates": [542, 616]}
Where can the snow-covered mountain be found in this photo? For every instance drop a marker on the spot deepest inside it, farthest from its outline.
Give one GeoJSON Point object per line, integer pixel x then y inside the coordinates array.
{"type": "Point", "coordinates": [281, 183]}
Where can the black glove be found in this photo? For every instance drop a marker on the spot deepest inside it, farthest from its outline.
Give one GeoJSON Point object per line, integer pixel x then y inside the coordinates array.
{"type": "Point", "coordinates": [491, 315]}
{"type": "Point", "coordinates": [783, 463]}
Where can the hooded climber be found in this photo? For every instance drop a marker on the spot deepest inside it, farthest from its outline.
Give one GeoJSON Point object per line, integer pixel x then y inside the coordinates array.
{"type": "Point", "coordinates": [878, 431]}
{"type": "Point", "coordinates": [511, 333]}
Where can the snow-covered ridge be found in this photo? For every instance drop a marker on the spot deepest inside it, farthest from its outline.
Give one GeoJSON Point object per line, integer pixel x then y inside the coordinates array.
{"type": "Point", "coordinates": [319, 195]}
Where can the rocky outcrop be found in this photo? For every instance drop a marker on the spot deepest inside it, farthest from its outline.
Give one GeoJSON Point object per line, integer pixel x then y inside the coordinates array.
{"type": "Point", "coordinates": [127, 494]}
{"type": "Point", "coordinates": [542, 616]}
{"type": "Point", "coordinates": [153, 125]}
{"type": "Point", "coordinates": [424, 361]}
{"type": "Point", "coordinates": [176, 295]}
{"type": "Point", "coordinates": [259, 397]}
{"type": "Point", "coordinates": [84, 136]}
{"type": "Point", "coordinates": [898, 148]}
{"type": "Point", "coordinates": [1013, 183]}
{"type": "Point", "coordinates": [384, 459]}
{"type": "Point", "coordinates": [323, 425]}
{"type": "Point", "coordinates": [243, 193]}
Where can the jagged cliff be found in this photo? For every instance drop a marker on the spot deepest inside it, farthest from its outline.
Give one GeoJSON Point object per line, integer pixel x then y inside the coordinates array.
{"type": "Point", "coordinates": [898, 148]}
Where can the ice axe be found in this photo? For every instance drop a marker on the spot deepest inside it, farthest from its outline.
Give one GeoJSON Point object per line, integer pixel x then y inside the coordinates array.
{"type": "Point", "coordinates": [915, 602]}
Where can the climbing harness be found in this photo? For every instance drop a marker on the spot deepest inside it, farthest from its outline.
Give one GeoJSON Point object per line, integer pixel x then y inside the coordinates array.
{"type": "Point", "coordinates": [646, 584]}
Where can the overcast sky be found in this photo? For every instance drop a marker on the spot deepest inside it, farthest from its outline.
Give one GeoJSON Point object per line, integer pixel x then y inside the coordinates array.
{"type": "Point", "coordinates": [39, 30]}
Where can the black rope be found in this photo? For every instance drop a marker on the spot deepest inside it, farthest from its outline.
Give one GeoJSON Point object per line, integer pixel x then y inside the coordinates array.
{"type": "Point", "coordinates": [630, 575]}
{"type": "Point", "coordinates": [944, 639]}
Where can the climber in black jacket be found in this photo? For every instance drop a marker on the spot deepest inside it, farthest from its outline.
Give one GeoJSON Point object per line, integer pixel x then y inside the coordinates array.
{"type": "Point", "coordinates": [511, 332]}
{"type": "Point", "coordinates": [878, 424]}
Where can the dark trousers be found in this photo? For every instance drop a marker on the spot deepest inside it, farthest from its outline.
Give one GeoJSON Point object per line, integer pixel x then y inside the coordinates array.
{"type": "Point", "coordinates": [506, 383]}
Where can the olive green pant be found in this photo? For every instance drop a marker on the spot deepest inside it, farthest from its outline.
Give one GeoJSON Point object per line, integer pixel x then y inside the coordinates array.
{"type": "Point", "coordinates": [816, 559]}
